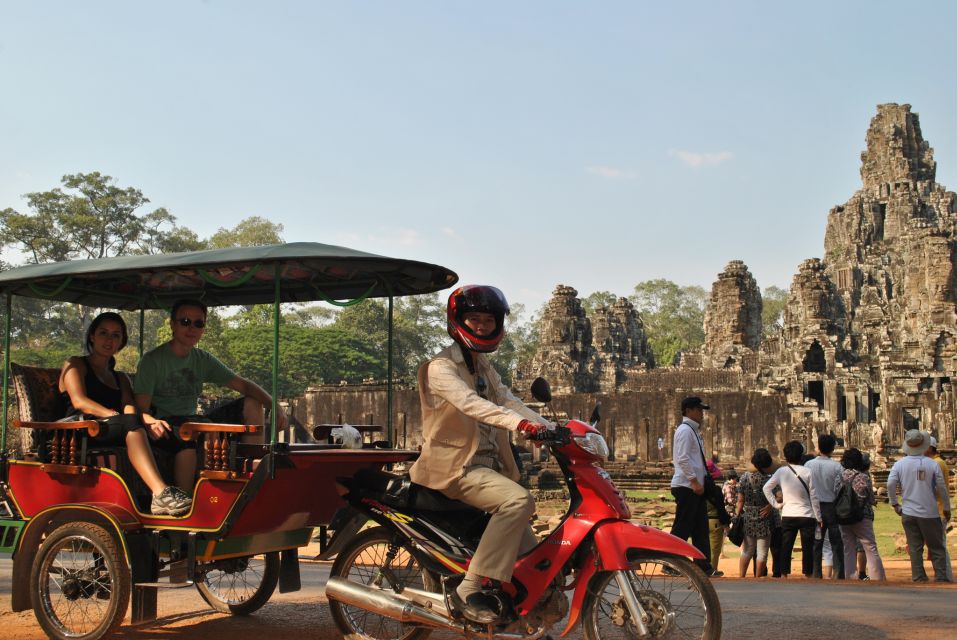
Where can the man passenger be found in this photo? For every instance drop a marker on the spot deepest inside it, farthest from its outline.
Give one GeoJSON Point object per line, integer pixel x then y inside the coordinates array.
{"type": "Point", "coordinates": [170, 378]}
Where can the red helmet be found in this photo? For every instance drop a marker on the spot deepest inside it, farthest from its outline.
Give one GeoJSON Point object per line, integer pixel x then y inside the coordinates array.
{"type": "Point", "coordinates": [476, 297]}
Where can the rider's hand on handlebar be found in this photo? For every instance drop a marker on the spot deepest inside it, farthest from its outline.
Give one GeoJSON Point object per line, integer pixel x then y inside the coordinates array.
{"type": "Point", "coordinates": [532, 430]}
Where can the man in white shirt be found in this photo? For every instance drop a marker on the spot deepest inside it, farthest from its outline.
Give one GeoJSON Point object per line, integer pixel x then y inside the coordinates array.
{"type": "Point", "coordinates": [921, 482]}
{"type": "Point", "coordinates": [800, 509]}
{"type": "Point", "coordinates": [826, 473]}
{"type": "Point", "coordinates": [687, 485]}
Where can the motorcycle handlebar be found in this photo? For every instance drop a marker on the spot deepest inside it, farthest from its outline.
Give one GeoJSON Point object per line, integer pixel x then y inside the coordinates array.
{"type": "Point", "coordinates": [558, 435]}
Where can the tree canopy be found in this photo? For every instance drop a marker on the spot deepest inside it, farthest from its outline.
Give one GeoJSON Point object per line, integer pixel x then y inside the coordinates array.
{"type": "Point", "coordinates": [673, 316]}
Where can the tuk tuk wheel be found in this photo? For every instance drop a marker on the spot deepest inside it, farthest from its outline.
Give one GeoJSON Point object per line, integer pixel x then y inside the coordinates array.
{"type": "Point", "coordinates": [79, 584]}
{"type": "Point", "coordinates": [239, 586]}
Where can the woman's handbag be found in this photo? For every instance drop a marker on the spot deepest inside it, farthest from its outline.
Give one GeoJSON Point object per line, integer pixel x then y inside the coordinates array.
{"type": "Point", "coordinates": [736, 533]}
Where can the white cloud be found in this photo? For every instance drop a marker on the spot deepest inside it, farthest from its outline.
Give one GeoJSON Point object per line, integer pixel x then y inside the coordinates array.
{"type": "Point", "coordinates": [697, 159]}
{"type": "Point", "coordinates": [452, 234]}
{"type": "Point", "coordinates": [611, 173]}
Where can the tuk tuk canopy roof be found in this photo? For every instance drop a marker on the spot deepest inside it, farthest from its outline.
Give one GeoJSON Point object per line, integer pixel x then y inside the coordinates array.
{"type": "Point", "coordinates": [245, 275]}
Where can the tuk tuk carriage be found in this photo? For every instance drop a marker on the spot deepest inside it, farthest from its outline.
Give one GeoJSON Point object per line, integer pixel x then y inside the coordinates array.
{"type": "Point", "coordinates": [84, 545]}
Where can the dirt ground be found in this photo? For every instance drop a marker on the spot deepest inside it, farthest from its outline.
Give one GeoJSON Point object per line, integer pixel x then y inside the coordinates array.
{"type": "Point", "coordinates": [752, 608]}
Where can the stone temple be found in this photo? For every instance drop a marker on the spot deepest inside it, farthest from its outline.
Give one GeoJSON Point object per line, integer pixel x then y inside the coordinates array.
{"type": "Point", "coordinates": [868, 346]}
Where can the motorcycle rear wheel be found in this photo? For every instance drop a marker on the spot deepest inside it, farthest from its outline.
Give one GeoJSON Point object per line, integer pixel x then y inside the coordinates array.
{"type": "Point", "coordinates": [679, 600]}
{"type": "Point", "coordinates": [365, 560]}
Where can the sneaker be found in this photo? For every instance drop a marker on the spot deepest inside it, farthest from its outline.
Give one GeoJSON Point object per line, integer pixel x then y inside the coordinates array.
{"type": "Point", "coordinates": [173, 501]}
{"type": "Point", "coordinates": [716, 574]}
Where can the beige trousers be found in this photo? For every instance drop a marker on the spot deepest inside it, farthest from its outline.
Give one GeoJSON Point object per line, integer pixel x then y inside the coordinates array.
{"type": "Point", "coordinates": [508, 532]}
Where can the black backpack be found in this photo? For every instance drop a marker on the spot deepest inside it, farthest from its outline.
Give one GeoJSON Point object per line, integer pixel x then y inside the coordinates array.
{"type": "Point", "coordinates": [848, 505]}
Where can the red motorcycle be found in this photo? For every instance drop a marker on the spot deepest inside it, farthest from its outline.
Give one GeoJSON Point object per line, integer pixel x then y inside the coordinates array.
{"type": "Point", "coordinates": [392, 581]}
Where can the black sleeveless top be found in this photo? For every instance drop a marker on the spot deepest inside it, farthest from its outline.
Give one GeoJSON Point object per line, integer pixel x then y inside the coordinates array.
{"type": "Point", "coordinates": [98, 392]}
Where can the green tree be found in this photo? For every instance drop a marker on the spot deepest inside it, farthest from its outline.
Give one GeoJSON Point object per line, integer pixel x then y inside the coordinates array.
{"type": "Point", "coordinates": [518, 345]}
{"type": "Point", "coordinates": [307, 355]}
{"type": "Point", "coordinates": [598, 299]}
{"type": "Point", "coordinates": [419, 329]}
{"type": "Point", "coordinates": [87, 217]}
{"type": "Point", "coordinates": [90, 217]}
{"type": "Point", "coordinates": [250, 232]}
{"type": "Point", "coordinates": [673, 316]}
{"type": "Point", "coordinates": [774, 300]}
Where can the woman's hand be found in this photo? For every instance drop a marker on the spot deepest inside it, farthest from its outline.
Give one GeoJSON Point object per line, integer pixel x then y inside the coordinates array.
{"type": "Point", "coordinates": [158, 429]}
{"type": "Point", "coordinates": [766, 510]}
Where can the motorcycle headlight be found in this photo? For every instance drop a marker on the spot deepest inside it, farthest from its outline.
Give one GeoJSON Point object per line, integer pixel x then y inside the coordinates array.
{"type": "Point", "coordinates": [594, 444]}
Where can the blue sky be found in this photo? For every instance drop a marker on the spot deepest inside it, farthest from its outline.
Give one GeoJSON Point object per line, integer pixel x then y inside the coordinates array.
{"type": "Point", "coordinates": [523, 144]}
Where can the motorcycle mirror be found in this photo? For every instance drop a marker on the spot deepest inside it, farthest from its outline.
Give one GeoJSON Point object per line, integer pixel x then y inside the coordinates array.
{"type": "Point", "coordinates": [541, 391]}
{"type": "Point", "coordinates": [595, 414]}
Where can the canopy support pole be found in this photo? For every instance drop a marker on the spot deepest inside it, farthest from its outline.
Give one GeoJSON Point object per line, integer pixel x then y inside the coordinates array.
{"type": "Point", "coordinates": [6, 371]}
{"type": "Point", "coordinates": [275, 359]}
{"type": "Point", "coordinates": [142, 328]}
{"type": "Point", "coordinates": [389, 425]}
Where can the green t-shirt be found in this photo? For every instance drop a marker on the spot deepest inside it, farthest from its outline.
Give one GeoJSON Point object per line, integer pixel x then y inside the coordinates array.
{"type": "Point", "coordinates": [175, 383]}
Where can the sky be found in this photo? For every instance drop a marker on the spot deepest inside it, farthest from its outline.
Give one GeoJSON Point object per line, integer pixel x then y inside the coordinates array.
{"type": "Point", "coordinates": [521, 144]}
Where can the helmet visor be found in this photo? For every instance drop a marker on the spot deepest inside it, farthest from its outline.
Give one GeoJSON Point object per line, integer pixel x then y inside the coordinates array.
{"type": "Point", "coordinates": [482, 298]}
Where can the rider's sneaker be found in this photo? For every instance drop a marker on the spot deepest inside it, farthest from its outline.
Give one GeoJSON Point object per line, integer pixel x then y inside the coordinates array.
{"type": "Point", "coordinates": [172, 501]}
{"type": "Point", "coordinates": [478, 607]}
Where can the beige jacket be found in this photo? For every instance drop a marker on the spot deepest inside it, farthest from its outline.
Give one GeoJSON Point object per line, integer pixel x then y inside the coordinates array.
{"type": "Point", "coordinates": [451, 411]}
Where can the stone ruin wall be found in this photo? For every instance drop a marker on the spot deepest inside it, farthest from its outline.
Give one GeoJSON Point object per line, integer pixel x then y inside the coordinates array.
{"type": "Point", "coordinates": [868, 346]}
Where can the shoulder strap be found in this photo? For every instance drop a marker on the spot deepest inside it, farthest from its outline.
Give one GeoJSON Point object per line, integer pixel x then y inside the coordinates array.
{"type": "Point", "coordinates": [804, 484]}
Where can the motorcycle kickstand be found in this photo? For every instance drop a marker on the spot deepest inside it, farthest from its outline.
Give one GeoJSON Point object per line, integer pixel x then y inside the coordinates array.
{"type": "Point", "coordinates": [638, 614]}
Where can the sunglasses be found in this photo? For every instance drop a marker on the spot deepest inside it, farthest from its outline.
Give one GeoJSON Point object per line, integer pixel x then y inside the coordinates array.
{"type": "Point", "coordinates": [186, 322]}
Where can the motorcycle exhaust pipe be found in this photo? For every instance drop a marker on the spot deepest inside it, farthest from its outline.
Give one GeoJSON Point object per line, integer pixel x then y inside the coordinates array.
{"type": "Point", "coordinates": [386, 604]}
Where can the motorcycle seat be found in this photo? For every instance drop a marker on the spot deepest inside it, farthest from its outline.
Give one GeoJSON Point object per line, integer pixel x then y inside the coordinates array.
{"type": "Point", "coordinates": [400, 492]}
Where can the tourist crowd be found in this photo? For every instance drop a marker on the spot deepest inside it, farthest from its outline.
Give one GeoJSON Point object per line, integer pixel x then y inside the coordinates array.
{"type": "Point", "coordinates": [826, 504]}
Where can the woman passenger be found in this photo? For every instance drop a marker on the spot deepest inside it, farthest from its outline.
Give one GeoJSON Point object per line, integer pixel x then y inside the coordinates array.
{"type": "Point", "coordinates": [94, 389]}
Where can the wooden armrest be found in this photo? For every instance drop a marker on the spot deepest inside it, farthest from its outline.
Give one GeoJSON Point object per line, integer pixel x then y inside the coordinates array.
{"type": "Point", "coordinates": [92, 426]}
{"type": "Point", "coordinates": [188, 430]}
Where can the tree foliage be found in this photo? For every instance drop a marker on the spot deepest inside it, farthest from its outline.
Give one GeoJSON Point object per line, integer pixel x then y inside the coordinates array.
{"type": "Point", "coordinates": [774, 300]}
{"type": "Point", "coordinates": [308, 355]}
{"type": "Point", "coordinates": [598, 299]}
{"type": "Point", "coordinates": [89, 217]}
{"type": "Point", "coordinates": [251, 232]}
{"type": "Point", "coordinates": [518, 345]}
{"type": "Point", "coordinates": [419, 328]}
{"type": "Point", "coordinates": [673, 316]}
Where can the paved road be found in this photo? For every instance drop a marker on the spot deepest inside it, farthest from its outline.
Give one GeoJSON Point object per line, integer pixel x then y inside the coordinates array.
{"type": "Point", "coordinates": [752, 610]}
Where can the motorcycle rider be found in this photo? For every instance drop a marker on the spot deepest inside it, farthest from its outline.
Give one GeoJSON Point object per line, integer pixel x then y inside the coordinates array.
{"type": "Point", "coordinates": [467, 414]}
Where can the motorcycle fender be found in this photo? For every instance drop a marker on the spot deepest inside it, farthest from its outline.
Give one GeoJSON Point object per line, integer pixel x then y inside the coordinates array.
{"type": "Point", "coordinates": [614, 539]}
{"type": "Point", "coordinates": [346, 523]}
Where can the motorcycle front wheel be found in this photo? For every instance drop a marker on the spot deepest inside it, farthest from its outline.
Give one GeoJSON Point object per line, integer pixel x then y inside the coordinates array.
{"type": "Point", "coordinates": [677, 597]}
{"type": "Point", "coordinates": [378, 558]}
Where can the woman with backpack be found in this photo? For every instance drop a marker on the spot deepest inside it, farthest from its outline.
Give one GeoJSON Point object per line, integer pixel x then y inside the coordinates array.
{"type": "Point", "coordinates": [758, 515]}
{"type": "Point", "coordinates": [854, 479]}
